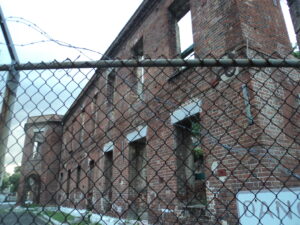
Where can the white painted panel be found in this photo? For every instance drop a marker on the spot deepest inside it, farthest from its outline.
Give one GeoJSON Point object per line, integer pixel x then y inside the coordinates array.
{"type": "Point", "coordinates": [265, 207]}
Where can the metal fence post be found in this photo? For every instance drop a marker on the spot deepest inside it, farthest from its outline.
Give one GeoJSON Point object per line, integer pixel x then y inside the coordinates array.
{"type": "Point", "coordinates": [12, 84]}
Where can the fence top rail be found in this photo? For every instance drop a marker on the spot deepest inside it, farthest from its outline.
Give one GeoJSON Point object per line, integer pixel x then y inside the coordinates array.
{"type": "Point", "coordinates": [292, 63]}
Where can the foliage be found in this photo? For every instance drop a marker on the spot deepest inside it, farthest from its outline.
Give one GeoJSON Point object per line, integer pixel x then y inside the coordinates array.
{"type": "Point", "coordinates": [31, 206]}
{"type": "Point", "coordinates": [196, 131]}
{"type": "Point", "coordinates": [5, 181]}
{"type": "Point", "coordinates": [59, 216]}
{"type": "Point", "coordinates": [17, 169]}
{"type": "Point", "coordinates": [11, 181]}
{"type": "Point", "coordinates": [198, 151]}
{"type": "Point", "coordinates": [14, 179]}
{"type": "Point", "coordinates": [296, 54]}
{"type": "Point", "coordinates": [196, 128]}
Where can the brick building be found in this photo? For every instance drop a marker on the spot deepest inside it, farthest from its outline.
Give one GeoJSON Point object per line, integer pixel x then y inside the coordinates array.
{"type": "Point", "coordinates": [122, 148]}
{"type": "Point", "coordinates": [40, 162]}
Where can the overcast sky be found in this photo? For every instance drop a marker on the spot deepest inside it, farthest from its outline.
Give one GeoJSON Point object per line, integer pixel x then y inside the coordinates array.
{"type": "Point", "coordinates": [92, 24]}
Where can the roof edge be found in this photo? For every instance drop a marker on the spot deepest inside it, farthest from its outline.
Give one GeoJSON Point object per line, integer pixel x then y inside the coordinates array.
{"type": "Point", "coordinates": [133, 23]}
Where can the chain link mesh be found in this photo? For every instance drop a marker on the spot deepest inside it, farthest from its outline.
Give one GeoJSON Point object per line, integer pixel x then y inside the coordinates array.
{"type": "Point", "coordinates": [155, 145]}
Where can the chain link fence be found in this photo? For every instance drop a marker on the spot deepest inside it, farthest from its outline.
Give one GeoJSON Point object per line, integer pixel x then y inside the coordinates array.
{"type": "Point", "coordinates": [213, 141]}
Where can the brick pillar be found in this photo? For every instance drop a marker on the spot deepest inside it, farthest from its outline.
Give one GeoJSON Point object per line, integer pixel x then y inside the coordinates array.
{"type": "Point", "coordinates": [227, 25]}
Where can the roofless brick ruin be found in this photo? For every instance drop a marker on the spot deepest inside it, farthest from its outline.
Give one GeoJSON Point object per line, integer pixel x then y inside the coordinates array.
{"type": "Point", "coordinates": [121, 148]}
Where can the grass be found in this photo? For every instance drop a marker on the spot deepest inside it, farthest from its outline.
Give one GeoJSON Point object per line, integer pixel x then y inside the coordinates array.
{"type": "Point", "coordinates": [87, 223]}
{"type": "Point", "coordinates": [59, 216]}
{"type": "Point", "coordinates": [55, 215]}
{"type": "Point", "coordinates": [4, 211]}
{"type": "Point", "coordinates": [31, 206]}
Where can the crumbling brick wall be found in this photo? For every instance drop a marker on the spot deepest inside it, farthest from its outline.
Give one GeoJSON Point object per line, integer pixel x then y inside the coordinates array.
{"type": "Point", "coordinates": [103, 122]}
{"type": "Point", "coordinates": [43, 165]}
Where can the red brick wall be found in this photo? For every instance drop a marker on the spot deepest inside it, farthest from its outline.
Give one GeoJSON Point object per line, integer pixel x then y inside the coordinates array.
{"type": "Point", "coordinates": [219, 27]}
{"type": "Point", "coordinates": [46, 165]}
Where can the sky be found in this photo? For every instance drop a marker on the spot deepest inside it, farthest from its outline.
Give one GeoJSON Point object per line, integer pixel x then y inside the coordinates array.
{"type": "Point", "coordinates": [93, 24]}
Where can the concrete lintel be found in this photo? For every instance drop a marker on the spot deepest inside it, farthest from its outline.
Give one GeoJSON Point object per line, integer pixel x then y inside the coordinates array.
{"type": "Point", "coordinates": [186, 111]}
{"type": "Point", "coordinates": [140, 133]}
{"type": "Point", "coordinates": [108, 147]}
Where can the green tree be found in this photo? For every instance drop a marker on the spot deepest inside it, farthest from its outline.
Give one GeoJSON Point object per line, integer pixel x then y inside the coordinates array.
{"type": "Point", "coordinates": [14, 179]}
{"type": "Point", "coordinates": [5, 181]}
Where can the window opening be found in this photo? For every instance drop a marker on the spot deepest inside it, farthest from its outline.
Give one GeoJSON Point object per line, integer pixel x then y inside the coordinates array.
{"type": "Point", "coordinates": [185, 34]}
{"type": "Point", "coordinates": [180, 10]}
{"type": "Point", "coordinates": [138, 179]}
{"type": "Point", "coordinates": [139, 71]}
{"type": "Point", "coordinates": [73, 136]}
{"type": "Point", "coordinates": [91, 184]}
{"type": "Point", "coordinates": [33, 189]}
{"type": "Point", "coordinates": [91, 174]}
{"type": "Point", "coordinates": [190, 162]}
{"type": "Point", "coordinates": [111, 80]}
{"type": "Point", "coordinates": [285, 6]}
{"type": "Point", "coordinates": [36, 147]}
{"type": "Point", "coordinates": [37, 142]}
{"type": "Point", "coordinates": [78, 176]}
{"type": "Point", "coordinates": [95, 112]}
{"type": "Point", "coordinates": [108, 175]}
{"type": "Point", "coordinates": [82, 118]}
{"type": "Point", "coordinates": [68, 183]}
